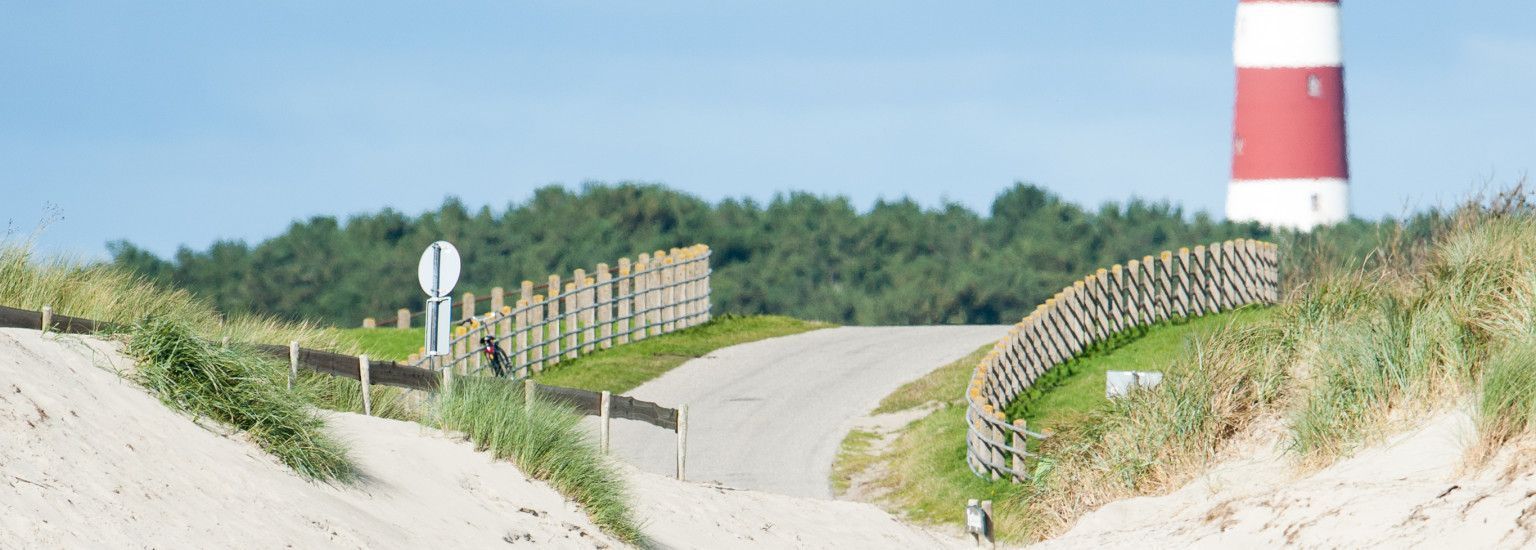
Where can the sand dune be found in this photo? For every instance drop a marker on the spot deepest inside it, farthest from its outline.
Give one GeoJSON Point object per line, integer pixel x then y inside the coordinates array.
{"type": "Point", "coordinates": [87, 459]}
{"type": "Point", "coordinates": [1406, 492]}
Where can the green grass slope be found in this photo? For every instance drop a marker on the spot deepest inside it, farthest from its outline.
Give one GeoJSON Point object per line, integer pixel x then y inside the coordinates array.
{"type": "Point", "coordinates": [923, 472]}
{"type": "Point", "coordinates": [620, 368]}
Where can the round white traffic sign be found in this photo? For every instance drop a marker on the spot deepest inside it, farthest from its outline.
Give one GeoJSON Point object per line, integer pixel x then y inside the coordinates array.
{"type": "Point", "coordinates": [439, 269]}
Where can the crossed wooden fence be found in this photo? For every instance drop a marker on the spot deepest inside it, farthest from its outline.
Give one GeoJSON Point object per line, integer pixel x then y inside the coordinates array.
{"type": "Point", "coordinates": [657, 294]}
{"type": "Point", "coordinates": [1219, 277]}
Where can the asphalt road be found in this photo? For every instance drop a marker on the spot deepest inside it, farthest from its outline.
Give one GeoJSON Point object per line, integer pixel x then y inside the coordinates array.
{"type": "Point", "coordinates": [770, 415]}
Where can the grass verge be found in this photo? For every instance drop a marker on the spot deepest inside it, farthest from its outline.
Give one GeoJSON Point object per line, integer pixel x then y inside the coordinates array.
{"type": "Point", "coordinates": [545, 443]}
{"type": "Point", "coordinates": [622, 368]}
{"type": "Point", "coordinates": [924, 474]}
{"type": "Point", "coordinates": [617, 369]}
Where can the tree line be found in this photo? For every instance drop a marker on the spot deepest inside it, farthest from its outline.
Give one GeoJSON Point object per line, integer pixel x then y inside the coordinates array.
{"type": "Point", "coordinates": [799, 254]}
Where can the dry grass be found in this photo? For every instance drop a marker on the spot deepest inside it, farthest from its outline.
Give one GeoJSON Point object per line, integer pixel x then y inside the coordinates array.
{"type": "Point", "coordinates": [1435, 312]}
{"type": "Point", "coordinates": [1355, 349]}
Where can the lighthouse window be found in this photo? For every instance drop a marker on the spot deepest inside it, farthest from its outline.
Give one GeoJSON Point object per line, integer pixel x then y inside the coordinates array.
{"type": "Point", "coordinates": [1316, 204]}
{"type": "Point", "coordinates": [1314, 86]}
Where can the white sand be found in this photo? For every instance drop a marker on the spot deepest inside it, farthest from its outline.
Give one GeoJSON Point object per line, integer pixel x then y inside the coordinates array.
{"type": "Point", "coordinates": [1404, 493]}
{"type": "Point", "coordinates": [88, 459]}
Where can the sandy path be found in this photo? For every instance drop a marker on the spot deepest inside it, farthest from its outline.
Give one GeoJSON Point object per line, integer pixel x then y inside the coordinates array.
{"type": "Point", "coordinates": [770, 415]}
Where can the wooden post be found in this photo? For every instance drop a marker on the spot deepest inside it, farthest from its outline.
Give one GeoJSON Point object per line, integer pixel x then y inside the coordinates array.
{"type": "Point", "coordinates": [638, 320]}
{"type": "Point", "coordinates": [657, 301]}
{"type": "Point", "coordinates": [1019, 443]}
{"type": "Point", "coordinates": [520, 340]}
{"type": "Point", "coordinates": [402, 318]}
{"type": "Point", "coordinates": [604, 306]}
{"type": "Point", "coordinates": [622, 320]}
{"type": "Point", "coordinates": [588, 318]}
{"type": "Point", "coordinates": [536, 333]}
{"type": "Point", "coordinates": [468, 306]}
{"type": "Point", "coordinates": [293, 363]}
{"type": "Point", "coordinates": [704, 284]}
{"type": "Point", "coordinates": [605, 401]}
{"type": "Point", "coordinates": [682, 442]}
{"type": "Point", "coordinates": [684, 316]}
{"type": "Point", "coordinates": [447, 376]}
{"type": "Point", "coordinates": [362, 375]}
{"type": "Point", "coordinates": [669, 294]}
{"type": "Point", "coordinates": [368, 322]}
{"type": "Point", "coordinates": [529, 387]}
{"type": "Point", "coordinates": [498, 299]}
{"type": "Point", "coordinates": [552, 319]}
{"type": "Point", "coordinates": [47, 322]}
{"type": "Point", "coordinates": [224, 342]}
{"type": "Point", "coordinates": [997, 443]}
{"type": "Point", "coordinates": [572, 324]}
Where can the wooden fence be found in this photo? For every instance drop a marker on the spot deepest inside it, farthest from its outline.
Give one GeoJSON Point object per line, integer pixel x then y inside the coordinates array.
{"type": "Point", "coordinates": [387, 373]}
{"type": "Point", "coordinates": [1188, 283]}
{"type": "Point", "coordinates": [658, 294]}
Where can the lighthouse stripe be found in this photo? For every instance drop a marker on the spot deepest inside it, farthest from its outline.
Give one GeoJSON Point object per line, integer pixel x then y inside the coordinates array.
{"type": "Point", "coordinates": [1294, 203]}
{"type": "Point", "coordinates": [1289, 123]}
{"type": "Point", "coordinates": [1287, 34]}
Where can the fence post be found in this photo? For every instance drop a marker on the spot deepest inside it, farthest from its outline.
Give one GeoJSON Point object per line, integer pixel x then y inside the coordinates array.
{"type": "Point", "coordinates": [47, 322]}
{"type": "Point", "coordinates": [682, 442]}
{"type": "Point", "coordinates": [498, 298]}
{"type": "Point", "coordinates": [362, 375]}
{"type": "Point", "coordinates": [468, 306]}
{"type": "Point", "coordinates": [403, 318]}
{"type": "Point", "coordinates": [642, 295]}
{"type": "Point", "coordinates": [552, 320]}
{"type": "Point", "coordinates": [1020, 443]}
{"type": "Point", "coordinates": [604, 306]}
{"type": "Point", "coordinates": [447, 375]}
{"type": "Point", "coordinates": [669, 284]}
{"type": "Point", "coordinates": [536, 330]}
{"type": "Point", "coordinates": [704, 287]}
{"type": "Point", "coordinates": [587, 318]}
{"type": "Point", "coordinates": [572, 326]}
{"type": "Point", "coordinates": [529, 387]}
{"type": "Point", "coordinates": [293, 363]}
{"type": "Point", "coordinates": [520, 329]}
{"type": "Point", "coordinates": [622, 323]}
{"type": "Point", "coordinates": [658, 299]}
{"type": "Point", "coordinates": [368, 322]}
{"type": "Point", "coordinates": [605, 401]}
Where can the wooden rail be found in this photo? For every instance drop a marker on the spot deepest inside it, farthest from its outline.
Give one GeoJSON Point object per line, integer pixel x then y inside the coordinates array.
{"type": "Point", "coordinates": [1188, 283]}
{"type": "Point", "coordinates": [656, 295]}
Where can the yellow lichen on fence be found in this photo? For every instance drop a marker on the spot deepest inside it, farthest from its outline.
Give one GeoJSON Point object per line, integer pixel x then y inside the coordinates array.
{"type": "Point", "coordinates": [1207, 279]}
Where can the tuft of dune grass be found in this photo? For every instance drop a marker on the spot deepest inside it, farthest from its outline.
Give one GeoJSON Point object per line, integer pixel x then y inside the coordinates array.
{"type": "Point", "coordinates": [545, 442]}
{"type": "Point", "coordinates": [235, 389]}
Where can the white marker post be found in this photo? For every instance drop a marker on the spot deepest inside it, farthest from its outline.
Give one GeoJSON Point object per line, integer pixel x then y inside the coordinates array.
{"type": "Point", "coordinates": [437, 272]}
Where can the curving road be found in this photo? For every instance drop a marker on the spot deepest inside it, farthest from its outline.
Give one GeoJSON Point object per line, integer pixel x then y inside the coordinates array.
{"type": "Point", "coordinates": [770, 415]}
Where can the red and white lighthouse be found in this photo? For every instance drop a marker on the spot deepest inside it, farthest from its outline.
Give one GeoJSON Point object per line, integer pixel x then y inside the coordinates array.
{"type": "Point", "coordinates": [1289, 166]}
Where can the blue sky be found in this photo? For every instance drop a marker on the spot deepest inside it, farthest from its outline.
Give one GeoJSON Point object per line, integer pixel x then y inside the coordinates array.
{"type": "Point", "coordinates": [185, 122]}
